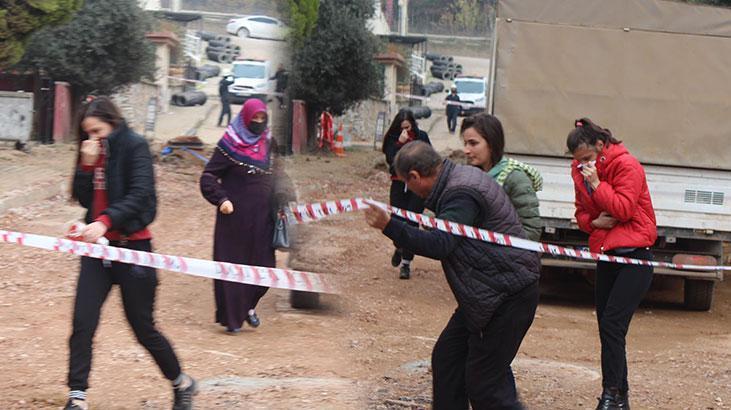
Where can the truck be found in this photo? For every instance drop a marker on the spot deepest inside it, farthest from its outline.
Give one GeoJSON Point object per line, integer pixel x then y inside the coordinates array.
{"type": "Point", "coordinates": [472, 91]}
{"type": "Point", "coordinates": [655, 72]}
{"type": "Point", "coordinates": [251, 79]}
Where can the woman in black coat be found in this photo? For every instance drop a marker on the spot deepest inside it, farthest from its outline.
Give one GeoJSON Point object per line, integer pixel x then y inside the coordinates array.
{"type": "Point", "coordinates": [402, 131]}
{"type": "Point", "coordinates": [114, 180]}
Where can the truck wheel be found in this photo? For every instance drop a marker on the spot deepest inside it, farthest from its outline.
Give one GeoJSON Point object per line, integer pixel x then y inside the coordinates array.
{"type": "Point", "coordinates": [304, 300]}
{"type": "Point", "coordinates": [698, 294]}
{"type": "Point", "coordinates": [243, 32]}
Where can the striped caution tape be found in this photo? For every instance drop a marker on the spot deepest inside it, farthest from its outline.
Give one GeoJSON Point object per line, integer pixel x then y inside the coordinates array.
{"type": "Point", "coordinates": [252, 275]}
{"type": "Point", "coordinates": [308, 281]}
{"type": "Point", "coordinates": [317, 211]}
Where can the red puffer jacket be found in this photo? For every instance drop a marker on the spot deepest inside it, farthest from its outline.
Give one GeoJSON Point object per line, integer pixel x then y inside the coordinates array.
{"type": "Point", "coordinates": [623, 194]}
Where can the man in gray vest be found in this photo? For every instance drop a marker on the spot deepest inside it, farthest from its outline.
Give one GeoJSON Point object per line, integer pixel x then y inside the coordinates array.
{"type": "Point", "coordinates": [496, 287]}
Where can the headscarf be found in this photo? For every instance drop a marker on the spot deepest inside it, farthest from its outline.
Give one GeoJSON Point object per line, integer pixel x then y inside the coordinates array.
{"type": "Point", "coordinates": [241, 144]}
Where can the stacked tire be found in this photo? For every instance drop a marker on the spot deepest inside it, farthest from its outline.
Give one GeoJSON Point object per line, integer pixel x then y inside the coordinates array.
{"type": "Point", "coordinates": [444, 67]}
{"type": "Point", "coordinates": [207, 71]}
{"type": "Point", "coordinates": [420, 112]}
{"type": "Point", "coordinates": [220, 49]}
{"type": "Point", "coordinates": [432, 87]}
{"type": "Point", "coordinates": [189, 98]}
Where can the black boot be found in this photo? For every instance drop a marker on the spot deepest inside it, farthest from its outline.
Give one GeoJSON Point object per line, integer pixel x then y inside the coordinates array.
{"type": "Point", "coordinates": [76, 404]}
{"type": "Point", "coordinates": [183, 395]}
{"type": "Point", "coordinates": [623, 400]}
{"type": "Point", "coordinates": [253, 320]}
{"type": "Point", "coordinates": [612, 399]}
{"type": "Point", "coordinates": [396, 258]}
{"type": "Point", "coordinates": [405, 272]}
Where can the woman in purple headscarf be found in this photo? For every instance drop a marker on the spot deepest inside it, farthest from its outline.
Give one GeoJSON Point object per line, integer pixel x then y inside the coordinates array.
{"type": "Point", "coordinates": [239, 181]}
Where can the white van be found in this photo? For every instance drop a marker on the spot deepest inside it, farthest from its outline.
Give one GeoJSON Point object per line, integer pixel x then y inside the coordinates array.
{"type": "Point", "coordinates": [472, 90]}
{"type": "Point", "coordinates": [251, 80]}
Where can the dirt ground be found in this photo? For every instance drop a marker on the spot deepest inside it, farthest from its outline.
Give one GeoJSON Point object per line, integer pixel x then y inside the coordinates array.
{"type": "Point", "coordinates": [368, 347]}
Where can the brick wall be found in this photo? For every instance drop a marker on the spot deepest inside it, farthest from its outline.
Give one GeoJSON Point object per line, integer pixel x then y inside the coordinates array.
{"type": "Point", "coordinates": [359, 123]}
{"type": "Point", "coordinates": [132, 101]}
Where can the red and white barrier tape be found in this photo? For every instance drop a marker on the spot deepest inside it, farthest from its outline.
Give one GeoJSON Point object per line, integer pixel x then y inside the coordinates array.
{"type": "Point", "coordinates": [308, 281]}
{"type": "Point", "coordinates": [253, 275]}
{"type": "Point", "coordinates": [317, 211]}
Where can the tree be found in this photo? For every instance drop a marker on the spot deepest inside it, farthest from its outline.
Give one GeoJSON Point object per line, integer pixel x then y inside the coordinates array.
{"type": "Point", "coordinates": [102, 48]}
{"type": "Point", "coordinates": [19, 19]}
{"type": "Point", "coordinates": [242, 7]}
{"type": "Point", "coordinates": [469, 15]}
{"type": "Point", "coordinates": [464, 17]}
{"type": "Point", "coordinates": [302, 17]}
{"type": "Point", "coordinates": [335, 65]}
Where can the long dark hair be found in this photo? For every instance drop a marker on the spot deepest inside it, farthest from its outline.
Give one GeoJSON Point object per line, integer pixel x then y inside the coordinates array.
{"type": "Point", "coordinates": [491, 130]}
{"type": "Point", "coordinates": [404, 114]}
{"type": "Point", "coordinates": [102, 108]}
{"type": "Point", "coordinates": [587, 133]}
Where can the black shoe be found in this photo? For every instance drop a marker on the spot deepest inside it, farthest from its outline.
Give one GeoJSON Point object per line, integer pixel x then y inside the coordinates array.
{"type": "Point", "coordinates": [622, 401]}
{"type": "Point", "coordinates": [396, 258]}
{"type": "Point", "coordinates": [253, 320]}
{"type": "Point", "coordinates": [76, 404]}
{"type": "Point", "coordinates": [607, 402]}
{"type": "Point", "coordinates": [613, 400]}
{"type": "Point", "coordinates": [184, 396]}
{"type": "Point", "coordinates": [405, 272]}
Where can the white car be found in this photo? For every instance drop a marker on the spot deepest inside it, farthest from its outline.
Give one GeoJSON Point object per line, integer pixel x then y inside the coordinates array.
{"type": "Point", "coordinates": [251, 79]}
{"type": "Point", "coordinates": [258, 27]}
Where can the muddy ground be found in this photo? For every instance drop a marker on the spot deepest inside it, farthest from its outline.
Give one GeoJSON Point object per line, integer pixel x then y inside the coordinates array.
{"type": "Point", "coordinates": [366, 348]}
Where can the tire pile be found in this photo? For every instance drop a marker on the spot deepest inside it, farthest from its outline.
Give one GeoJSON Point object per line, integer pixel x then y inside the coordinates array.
{"type": "Point", "coordinates": [189, 98]}
{"type": "Point", "coordinates": [207, 71]}
{"type": "Point", "coordinates": [432, 87]}
{"type": "Point", "coordinates": [443, 67]}
{"type": "Point", "coordinates": [420, 112]}
{"type": "Point", "coordinates": [219, 48]}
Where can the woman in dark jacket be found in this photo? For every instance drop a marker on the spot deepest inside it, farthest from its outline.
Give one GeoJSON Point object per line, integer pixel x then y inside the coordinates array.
{"type": "Point", "coordinates": [114, 181]}
{"type": "Point", "coordinates": [402, 131]}
{"type": "Point", "coordinates": [614, 207]}
{"type": "Point", "coordinates": [239, 181]}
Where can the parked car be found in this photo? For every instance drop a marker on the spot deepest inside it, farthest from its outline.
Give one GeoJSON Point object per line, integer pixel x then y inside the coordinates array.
{"type": "Point", "coordinates": [472, 90]}
{"type": "Point", "coordinates": [251, 80]}
{"type": "Point", "coordinates": [258, 27]}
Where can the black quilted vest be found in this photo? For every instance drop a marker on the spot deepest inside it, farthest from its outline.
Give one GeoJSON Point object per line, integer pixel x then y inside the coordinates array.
{"type": "Point", "coordinates": [482, 275]}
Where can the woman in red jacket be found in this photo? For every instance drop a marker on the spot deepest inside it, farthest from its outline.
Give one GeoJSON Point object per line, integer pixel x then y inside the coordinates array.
{"type": "Point", "coordinates": [613, 206]}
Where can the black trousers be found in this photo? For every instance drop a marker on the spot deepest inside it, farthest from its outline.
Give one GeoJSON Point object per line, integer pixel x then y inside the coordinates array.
{"type": "Point", "coordinates": [619, 290]}
{"type": "Point", "coordinates": [452, 121]}
{"type": "Point", "coordinates": [474, 367]}
{"type": "Point", "coordinates": [407, 200]}
{"type": "Point", "coordinates": [225, 111]}
{"type": "Point", "coordinates": [137, 285]}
